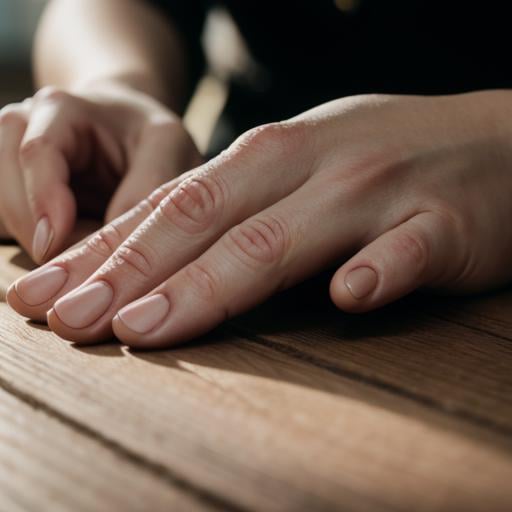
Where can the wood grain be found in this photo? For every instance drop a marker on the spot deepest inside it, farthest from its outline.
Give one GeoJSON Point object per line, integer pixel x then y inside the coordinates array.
{"type": "Point", "coordinates": [13, 264]}
{"type": "Point", "coordinates": [293, 416]}
{"type": "Point", "coordinates": [422, 348]}
{"type": "Point", "coordinates": [490, 313]}
{"type": "Point", "coordinates": [45, 465]}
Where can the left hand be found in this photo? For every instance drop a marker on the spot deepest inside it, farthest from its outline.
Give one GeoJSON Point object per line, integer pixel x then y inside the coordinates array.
{"type": "Point", "coordinates": [405, 192]}
{"type": "Point", "coordinates": [95, 150]}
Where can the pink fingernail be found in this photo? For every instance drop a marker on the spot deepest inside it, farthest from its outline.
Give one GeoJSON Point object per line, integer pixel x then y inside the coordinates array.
{"type": "Point", "coordinates": [41, 285]}
{"type": "Point", "coordinates": [145, 314]}
{"type": "Point", "coordinates": [85, 305]}
{"type": "Point", "coordinates": [361, 282]}
{"type": "Point", "coordinates": [43, 237]}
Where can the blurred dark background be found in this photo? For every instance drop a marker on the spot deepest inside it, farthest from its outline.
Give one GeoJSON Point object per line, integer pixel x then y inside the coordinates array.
{"type": "Point", "coordinates": [18, 22]}
{"type": "Point", "coordinates": [18, 19]}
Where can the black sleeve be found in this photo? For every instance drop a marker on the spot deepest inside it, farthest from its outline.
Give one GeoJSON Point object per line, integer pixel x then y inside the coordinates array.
{"type": "Point", "coordinates": [188, 16]}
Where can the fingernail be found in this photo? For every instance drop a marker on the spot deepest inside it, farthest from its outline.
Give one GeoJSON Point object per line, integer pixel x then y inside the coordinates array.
{"type": "Point", "coordinates": [361, 282]}
{"type": "Point", "coordinates": [84, 306]}
{"type": "Point", "coordinates": [43, 237]}
{"type": "Point", "coordinates": [145, 314]}
{"type": "Point", "coordinates": [41, 285]}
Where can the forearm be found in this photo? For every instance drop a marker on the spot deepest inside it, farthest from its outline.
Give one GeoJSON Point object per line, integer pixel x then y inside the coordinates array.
{"type": "Point", "coordinates": [88, 41]}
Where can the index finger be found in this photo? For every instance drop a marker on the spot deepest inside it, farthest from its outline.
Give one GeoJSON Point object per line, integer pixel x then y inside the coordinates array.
{"type": "Point", "coordinates": [45, 155]}
{"type": "Point", "coordinates": [34, 294]}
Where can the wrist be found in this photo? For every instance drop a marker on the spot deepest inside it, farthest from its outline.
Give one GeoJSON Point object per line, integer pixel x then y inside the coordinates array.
{"type": "Point", "coordinates": [129, 83]}
{"type": "Point", "coordinates": [489, 114]}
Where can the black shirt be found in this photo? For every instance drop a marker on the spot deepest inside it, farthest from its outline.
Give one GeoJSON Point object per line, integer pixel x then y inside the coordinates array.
{"type": "Point", "coordinates": [313, 51]}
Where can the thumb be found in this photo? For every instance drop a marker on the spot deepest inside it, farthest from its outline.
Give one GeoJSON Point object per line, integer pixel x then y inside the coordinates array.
{"type": "Point", "coordinates": [164, 151]}
{"type": "Point", "coordinates": [396, 263]}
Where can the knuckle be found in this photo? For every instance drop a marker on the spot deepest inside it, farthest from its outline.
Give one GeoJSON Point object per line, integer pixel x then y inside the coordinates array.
{"type": "Point", "coordinates": [143, 209]}
{"type": "Point", "coordinates": [273, 139]}
{"type": "Point", "coordinates": [265, 135]}
{"type": "Point", "coordinates": [195, 204]}
{"type": "Point", "coordinates": [457, 230]}
{"type": "Point", "coordinates": [27, 103]}
{"type": "Point", "coordinates": [157, 196]}
{"type": "Point", "coordinates": [203, 281]}
{"type": "Point", "coordinates": [131, 257]}
{"type": "Point", "coordinates": [52, 94]}
{"type": "Point", "coordinates": [11, 115]}
{"type": "Point", "coordinates": [260, 240]}
{"type": "Point", "coordinates": [460, 226]}
{"type": "Point", "coordinates": [414, 247]}
{"type": "Point", "coordinates": [105, 242]}
{"type": "Point", "coordinates": [33, 147]}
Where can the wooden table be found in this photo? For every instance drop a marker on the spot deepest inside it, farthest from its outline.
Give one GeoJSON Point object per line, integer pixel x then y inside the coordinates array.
{"type": "Point", "coordinates": [294, 407]}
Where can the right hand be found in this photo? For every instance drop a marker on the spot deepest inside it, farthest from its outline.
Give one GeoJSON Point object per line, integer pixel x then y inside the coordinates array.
{"type": "Point", "coordinates": [97, 152]}
{"type": "Point", "coordinates": [401, 192]}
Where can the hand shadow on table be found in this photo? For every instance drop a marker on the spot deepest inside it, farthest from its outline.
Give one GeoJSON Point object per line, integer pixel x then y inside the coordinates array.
{"type": "Point", "coordinates": [303, 309]}
{"type": "Point", "coordinates": [298, 317]}
{"type": "Point", "coordinates": [110, 348]}
{"type": "Point", "coordinates": [22, 260]}
{"type": "Point", "coordinates": [286, 327]}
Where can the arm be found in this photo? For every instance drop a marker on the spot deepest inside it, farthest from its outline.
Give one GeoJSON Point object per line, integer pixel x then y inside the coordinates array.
{"type": "Point", "coordinates": [126, 41]}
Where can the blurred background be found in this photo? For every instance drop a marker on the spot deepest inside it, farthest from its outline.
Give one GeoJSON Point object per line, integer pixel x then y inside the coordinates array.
{"type": "Point", "coordinates": [18, 19]}
{"type": "Point", "coordinates": [225, 52]}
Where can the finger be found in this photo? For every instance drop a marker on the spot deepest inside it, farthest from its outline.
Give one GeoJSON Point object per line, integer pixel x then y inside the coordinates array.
{"type": "Point", "coordinates": [269, 252]}
{"type": "Point", "coordinates": [45, 152]}
{"type": "Point", "coordinates": [14, 207]}
{"type": "Point", "coordinates": [217, 196]}
{"type": "Point", "coordinates": [399, 261]}
{"type": "Point", "coordinates": [164, 150]}
{"type": "Point", "coordinates": [34, 294]}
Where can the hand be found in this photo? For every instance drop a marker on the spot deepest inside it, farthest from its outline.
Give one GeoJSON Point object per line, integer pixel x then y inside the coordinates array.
{"type": "Point", "coordinates": [95, 151]}
{"type": "Point", "coordinates": [405, 192]}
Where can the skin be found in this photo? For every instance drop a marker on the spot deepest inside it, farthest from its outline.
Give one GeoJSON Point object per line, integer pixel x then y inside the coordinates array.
{"type": "Point", "coordinates": [402, 192]}
{"type": "Point", "coordinates": [103, 131]}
